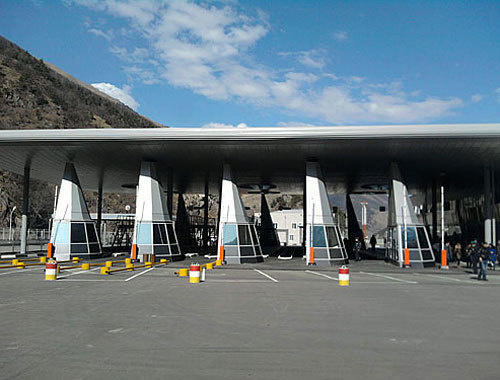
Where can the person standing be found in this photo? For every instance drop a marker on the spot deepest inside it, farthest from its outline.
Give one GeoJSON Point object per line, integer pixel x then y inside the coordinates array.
{"type": "Point", "coordinates": [475, 255]}
{"type": "Point", "coordinates": [357, 249]}
{"type": "Point", "coordinates": [373, 242]}
{"type": "Point", "coordinates": [458, 253]}
{"type": "Point", "coordinates": [483, 257]}
{"type": "Point", "coordinates": [493, 256]}
{"type": "Point", "coordinates": [449, 252]}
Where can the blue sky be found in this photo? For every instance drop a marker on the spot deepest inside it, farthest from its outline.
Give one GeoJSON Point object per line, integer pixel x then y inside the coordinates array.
{"type": "Point", "coordinates": [270, 63]}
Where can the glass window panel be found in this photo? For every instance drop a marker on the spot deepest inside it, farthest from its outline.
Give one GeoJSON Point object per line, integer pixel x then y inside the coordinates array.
{"type": "Point", "coordinates": [174, 249]}
{"type": "Point", "coordinates": [320, 253]}
{"type": "Point", "coordinates": [161, 249]}
{"type": "Point", "coordinates": [332, 237]}
{"type": "Point", "coordinates": [247, 251]}
{"type": "Point", "coordinates": [427, 254]}
{"type": "Point", "coordinates": [230, 237]}
{"type": "Point", "coordinates": [91, 232]}
{"type": "Point", "coordinates": [231, 251]}
{"type": "Point", "coordinates": [79, 248]}
{"type": "Point", "coordinates": [163, 233]}
{"type": "Point", "coordinates": [78, 233]}
{"type": "Point", "coordinates": [335, 253]}
{"type": "Point", "coordinates": [94, 248]}
{"type": "Point", "coordinates": [319, 236]}
{"type": "Point", "coordinates": [411, 236]}
{"type": "Point", "coordinates": [156, 234]}
{"type": "Point", "coordinates": [254, 235]}
{"type": "Point", "coordinates": [61, 233]}
{"type": "Point", "coordinates": [144, 234]}
{"type": "Point", "coordinates": [244, 235]}
{"type": "Point", "coordinates": [171, 233]}
{"type": "Point", "coordinates": [422, 238]}
{"type": "Point", "coordinates": [415, 255]}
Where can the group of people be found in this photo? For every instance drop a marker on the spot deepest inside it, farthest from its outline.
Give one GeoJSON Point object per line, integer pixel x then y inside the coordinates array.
{"type": "Point", "coordinates": [476, 256]}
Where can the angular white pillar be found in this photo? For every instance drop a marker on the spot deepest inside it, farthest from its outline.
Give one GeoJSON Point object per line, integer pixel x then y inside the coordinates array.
{"type": "Point", "coordinates": [74, 233]}
{"type": "Point", "coordinates": [322, 232]}
{"type": "Point", "coordinates": [237, 238]}
{"type": "Point", "coordinates": [403, 227]}
{"type": "Point", "coordinates": [154, 232]}
{"type": "Point", "coordinates": [489, 207]}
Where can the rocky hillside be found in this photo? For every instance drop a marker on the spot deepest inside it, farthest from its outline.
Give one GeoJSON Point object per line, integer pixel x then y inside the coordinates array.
{"type": "Point", "coordinates": [36, 95]}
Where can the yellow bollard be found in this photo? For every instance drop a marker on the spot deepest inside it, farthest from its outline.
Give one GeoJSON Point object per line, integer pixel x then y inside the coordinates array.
{"type": "Point", "coordinates": [183, 272]}
{"type": "Point", "coordinates": [148, 264]}
{"type": "Point", "coordinates": [109, 264]}
{"type": "Point", "coordinates": [218, 263]}
{"type": "Point", "coordinates": [15, 262]}
{"type": "Point", "coordinates": [20, 265]}
{"type": "Point", "coordinates": [163, 261]}
{"type": "Point", "coordinates": [210, 265]}
{"type": "Point", "coordinates": [104, 270]}
{"type": "Point", "coordinates": [85, 266]}
{"type": "Point", "coordinates": [76, 259]}
{"type": "Point", "coordinates": [43, 259]}
{"type": "Point", "coordinates": [129, 267]}
{"type": "Point", "coordinates": [128, 261]}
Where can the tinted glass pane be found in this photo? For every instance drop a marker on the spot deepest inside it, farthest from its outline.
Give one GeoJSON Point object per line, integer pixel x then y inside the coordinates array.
{"type": "Point", "coordinates": [247, 251]}
{"type": "Point", "coordinates": [163, 233]}
{"type": "Point", "coordinates": [320, 253]}
{"type": "Point", "coordinates": [61, 233]}
{"type": "Point", "coordinates": [244, 235]}
{"type": "Point", "coordinates": [411, 236]}
{"type": "Point", "coordinates": [174, 249]}
{"type": "Point", "coordinates": [78, 233]}
{"type": "Point", "coordinates": [230, 237]}
{"type": "Point", "coordinates": [254, 235]}
{"type": "Point", "coordinates": [318, 237]}
{"type": "Point", "coordinates": [427, 254]}
{"type": "Point", "coordinates": [94, 248]}
{"type": "Point", "coordinates": [144, 234]}
{"type": "Point", "coordinates": [422, 238]}
{"type": "Point", "coordinates": [332, 237]}
{"type": "Point", "coordinates": [415, 255]}
{"type": "Point", "coordinates": [171, 233]}
{"type": "Point", "coordinates": [91, 232]}
{"type": "Point", "coordinates": [161, 249]}
{"type": "Point", "coordinates": [335, 253]}
{"type": "Point", "coordinates": [231, 251]}
{"type": "Point", "coordinates": [156, 234]}
{"type": "Point", "coordinates": [79, 248]}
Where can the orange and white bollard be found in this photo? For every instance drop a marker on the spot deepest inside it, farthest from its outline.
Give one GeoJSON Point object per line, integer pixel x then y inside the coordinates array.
{"type": "Point", "coordinates": [406, 258]}
{"type": "Point", "coordinates": [343, 276]}
{"type": "Point", "coordinates": [51, 270]}
{"type": "Point", "coordinates": [444, 260]}
{"type": "Point", "coordinates": [194, 273]}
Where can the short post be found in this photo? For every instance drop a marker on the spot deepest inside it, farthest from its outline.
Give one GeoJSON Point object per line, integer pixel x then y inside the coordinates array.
{"type": "Point", "coordinates": [194, 273]}
{"type": "Point", "coordinates": [51, 270]}
{"type": "Point", "coordinates": [221, 256]}
{"type": "Point", "coordinates": [444, 263]}
{"type": "Point", "coordinates": [311, 256]}
{"type": "Point", "coordinates": [407, 258]}
{"type": "Point", "coordinates": [343, 276]}
{"type": "Point", "coordinates": [203, 274]}
{"type": "Point", "coordinates": [134, 252]}
{"type": "Point", "coordinates": [50, 250]}
{"type": "Point", "coordinates": [183, 272]}
{"type": "Point", "coordinates": [85, 266]}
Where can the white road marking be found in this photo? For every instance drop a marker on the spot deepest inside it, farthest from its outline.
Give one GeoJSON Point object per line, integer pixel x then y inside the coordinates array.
{"type": "Point", "coordinates": [390, 278]}
{"type": "Point", "coordinates": [266, 275]}
{"type": "Point", "coordinates": [87, 280]}
{"type": "Point", "coordinates": [210, 280]}
{"type": "Point", "coordinates": [139, 274]}
{"type": "Point", "coordinates": [83, 271]}
{"type": "Point", "coordinates": [16, 270]}
{"type": "Point", "coordinates": [322, 274]}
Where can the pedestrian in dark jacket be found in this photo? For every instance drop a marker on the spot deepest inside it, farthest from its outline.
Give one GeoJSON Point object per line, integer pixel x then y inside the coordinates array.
{"type": "Point", "coordinates": [357, 249]}
{"type": "Point", "coordinates": [483, 258]}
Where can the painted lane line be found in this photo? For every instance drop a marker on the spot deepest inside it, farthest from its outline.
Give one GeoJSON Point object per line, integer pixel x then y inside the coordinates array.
{"type": "Point", "coordinates": [83, 271]}
{"type": "Point", "coordinates": [322, 275]}
{"type": "Point", "coordinates": [16, 270]}
{"type": "Point", "coordinates": [443, 277]}
{"type": "Point", "coordinates": [266, 275]}
{"type": "Point", "coordinates": [241, 281]}
{"type": "Point", "coordinates": [389, 277]}
{"type": "Point", "coordinates": [139, 274]}
{"type": "Point", "coordinates": [86, 280]}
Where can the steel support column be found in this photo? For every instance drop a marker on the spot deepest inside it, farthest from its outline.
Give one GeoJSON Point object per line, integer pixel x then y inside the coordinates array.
{"type": "Point", "coordinates": [26, 204]}
{"type": "Point", "coordinates": [99, 209]}
{"type": "Point", "coordinates": [205, 217]}
{"type": "Point", "coordinates": [488, 206]}
{"type": "Point", "coordinates": [434, 212]}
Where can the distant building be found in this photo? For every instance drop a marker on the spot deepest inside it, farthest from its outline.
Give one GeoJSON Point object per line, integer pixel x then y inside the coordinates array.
{"type": "Point", "coordinates": [288, 224]}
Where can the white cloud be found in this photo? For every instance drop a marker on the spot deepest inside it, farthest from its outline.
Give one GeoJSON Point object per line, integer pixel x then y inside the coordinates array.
{"type": "Point", "coordinates": [476, 98]}
{"type": "Point", "coordinates": [98, 32]}
{"type": "Point", "coordinates": [223, 126]}
{"type": "Point", "coordinates": [341, 35]}
{"type": "Point", "coordinates": [208, 50]}
{"type": "Point", "coordinates": [121, 94]}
